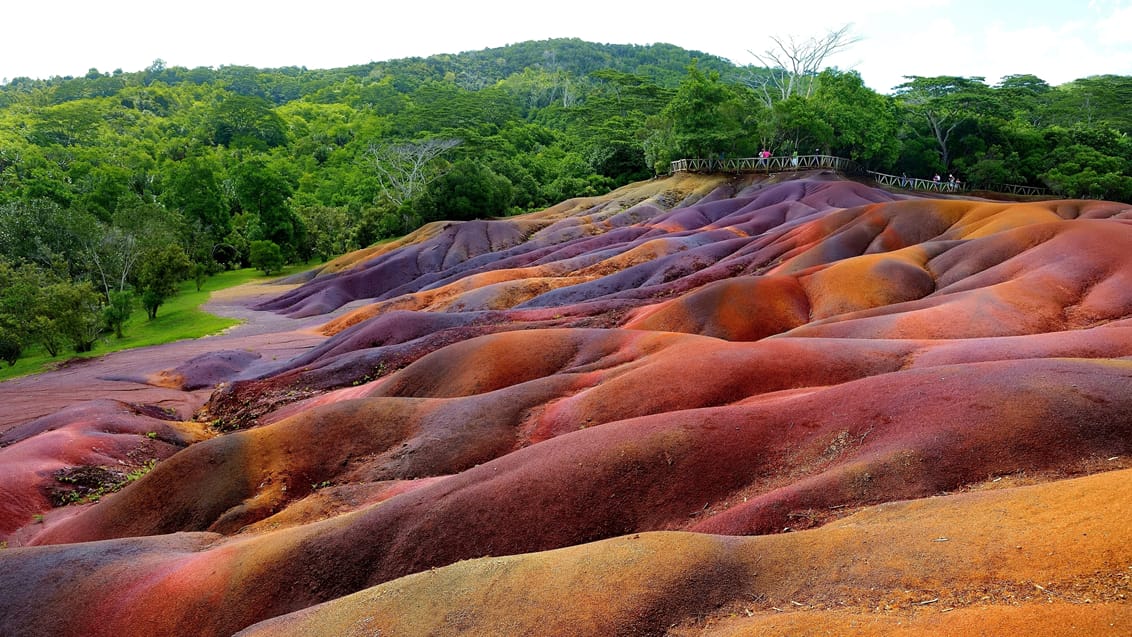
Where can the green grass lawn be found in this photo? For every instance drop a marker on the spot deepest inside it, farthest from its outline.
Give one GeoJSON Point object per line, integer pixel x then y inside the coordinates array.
{"type": "Point", "coordinates": [178, 318]}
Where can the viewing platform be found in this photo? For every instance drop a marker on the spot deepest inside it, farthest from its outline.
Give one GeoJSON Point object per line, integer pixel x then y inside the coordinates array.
{"type": "Point", "coordinates": [778, 164]}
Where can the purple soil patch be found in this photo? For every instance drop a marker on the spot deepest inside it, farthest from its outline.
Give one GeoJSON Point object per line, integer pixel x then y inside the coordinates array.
{"type": "Point", "coordinates": [211, 369]}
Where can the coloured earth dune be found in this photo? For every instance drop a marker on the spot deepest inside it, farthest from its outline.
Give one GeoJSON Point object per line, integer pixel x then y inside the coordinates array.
{"type": "Point", "coordinates": [698, 405]}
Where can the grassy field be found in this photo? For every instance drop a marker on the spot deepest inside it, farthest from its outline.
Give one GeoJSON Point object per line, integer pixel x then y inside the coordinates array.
{"type": "Point", "coordinates": [178, 318]}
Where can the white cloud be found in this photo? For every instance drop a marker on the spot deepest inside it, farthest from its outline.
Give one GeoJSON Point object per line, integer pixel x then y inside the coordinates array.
{"type": "Point", "coordinates": [913, 37]}
{"type": "Point", "coordinates": [1116, 27]}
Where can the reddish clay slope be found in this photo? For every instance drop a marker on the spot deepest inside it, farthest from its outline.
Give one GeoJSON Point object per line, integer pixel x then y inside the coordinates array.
{"type": "Point", "coordinates": [1022, 561]}
{"type": "Point", "coordinates": [728, 357]}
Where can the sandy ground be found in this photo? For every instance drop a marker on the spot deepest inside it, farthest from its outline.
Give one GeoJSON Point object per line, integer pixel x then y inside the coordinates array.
{"type": "Point", "coordinates": [121, 375]}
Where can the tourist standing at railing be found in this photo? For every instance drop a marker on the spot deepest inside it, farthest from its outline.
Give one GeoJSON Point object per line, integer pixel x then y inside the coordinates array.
{"type": "Point", "coordinates": [794, 159]}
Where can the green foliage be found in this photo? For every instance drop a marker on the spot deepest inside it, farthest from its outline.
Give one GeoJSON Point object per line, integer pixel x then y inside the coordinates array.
{"type": "Point", "coordinates": [200, 272]}
{"type": "Point", "coordinates": [1100, 101]}
{"type": "Point", "coordinates": [706, 116]}
{"type": "Point", "coordinates": [264, 191]}
{"type": "Point", "coordinates": [218, 158]}
{"type": "Point", "coordinates": [10, 346]}
{"type": "Point", "coordinates": [1080, 170]}
{"type": "Point", "coordinates": [383, 221]}
{"type": "Point", "coordinates": [160, 274]}
{"type": "Point", "coordinates": [266, 256]}
{"type": "Point", "coordinates": [942, 105]}
{"type": "Point", "coordinates": [27, 308]}
{"type": "Point", "coordinates": [36, 305]}
{"type": "Point", "coordinates": [90, 484]}
{"type": "Point", "coordinates": [194, 188]}
{"type": "Point", "coordinates": [328, 230]}
{"type": "Point", "coordinates": [76, 311]}
{"type": "Point", "coordinates": [42, 231]}
{"type": "Point", "coordinates": [243, 121]}
{"type": "Point", "coordinates": [862, 124]}
{"type": "Point", "coordinates": [469, 190]}
{"type": "Point", "coordinates": [180, 319]}
{"type": "Point", "coordinates": [117, 311]}
{"type": "Point", "coordinates": [797, 123]}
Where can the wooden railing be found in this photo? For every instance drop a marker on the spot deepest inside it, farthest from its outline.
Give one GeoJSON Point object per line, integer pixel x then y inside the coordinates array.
{"type": "Point", "coordinates": [765, 164]}
{"type": "Point", "coordinates": [914, 183]}
{"type": "Point", "coordinates": [813, 162]}
{"type": "Point", "coordinates": [1018, 190]}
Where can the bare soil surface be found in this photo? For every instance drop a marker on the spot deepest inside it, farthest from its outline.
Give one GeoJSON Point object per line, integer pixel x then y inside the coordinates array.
{"type": "Point", "coordinates": [130, 375]}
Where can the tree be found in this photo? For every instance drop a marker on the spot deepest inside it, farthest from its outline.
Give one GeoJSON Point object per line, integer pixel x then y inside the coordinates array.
{"type": "Point", "coordinates": [193, 188]}
{"type": "Point", "coordinates": [800, 123]}
{"type": "Point", "coordinates": [114, 251]}
{"type": "Point", "coordinates": [18, 297]}
{"type": "Point", "coordinates": [469, 190]}
{"type": "Point", "coordinates": [200, 272]}
{"type": "Point", "coordinates": [705, 115]}
{"type": "Point", "coordinates": [10, 346]}
{"type": "Point", "coordinates": [266, 256]}
{"type": "Point", "coordinates": [242, 121]}
{"type": "Point", "coordinates": [117, 311]}
{"type": "Point", "coordinates": [76, 311]}
{"type": "Point", "coordinates": [38, 305]}
{"type": "Point", "coordinates": [161, 272]}
{"type": "Point", "coordinates": [263, 190]}
{"type": "Point", "coordinates": [1100, 100]}
{"type": "Point", "coordinates": [381, 221]}
{"type": "Point", "coordinates": [328, 229]}
{"type": "Point", "coordinates": [404, 169]}
{"type": "Point", "coordinates": [41, 231]}
{"type": "Point", "coordinates": [112, 256]}
{"type": "Point", "coordinates": [943, 103]}
{"type": "Point", "coordinates": [792, 65]}
{"type": "Point", "coordinates": [1026, 96]}
{"type": "Point", "coordinates": [23, 309]}
{"type": "Point", "coordinates": [1080, 170]}
{"type": "Point", "coordinates": [863, 123]}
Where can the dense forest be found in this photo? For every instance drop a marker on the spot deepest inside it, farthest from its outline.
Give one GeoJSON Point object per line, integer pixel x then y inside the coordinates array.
{"type": "Point", "coordinates": [116, 186]}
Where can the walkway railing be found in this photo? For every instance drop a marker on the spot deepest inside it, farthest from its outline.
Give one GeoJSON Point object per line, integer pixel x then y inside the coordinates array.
{"type": "Point", "coordinates": [764, 164]}
{"type": "Point", "coordinates": [831, 162]}
{"type": "Point", "coordinates": [1018, 190]}
{"type": "Point", "coordinates": [914, 183]}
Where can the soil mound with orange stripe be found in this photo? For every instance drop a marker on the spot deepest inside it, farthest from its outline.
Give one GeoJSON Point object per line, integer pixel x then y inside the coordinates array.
{"type": "Point", "coordinates": [700, 405]}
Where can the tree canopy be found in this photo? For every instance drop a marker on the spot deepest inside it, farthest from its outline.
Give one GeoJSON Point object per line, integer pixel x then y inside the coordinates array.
{"type": "Point", "coordinates": [130, 182]}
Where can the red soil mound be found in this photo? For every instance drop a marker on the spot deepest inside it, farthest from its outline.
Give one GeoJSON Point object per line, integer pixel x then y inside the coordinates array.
{"type": "Point", "coordinates": [736, 359]}
{"type": "Point", "coordinates": [1022, 561]}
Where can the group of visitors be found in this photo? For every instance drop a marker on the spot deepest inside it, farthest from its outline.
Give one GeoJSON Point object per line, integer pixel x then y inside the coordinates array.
{"type": "Point", "coordinates": [765, 154]}
{"type": "Point", "coordinates": [952, 182]}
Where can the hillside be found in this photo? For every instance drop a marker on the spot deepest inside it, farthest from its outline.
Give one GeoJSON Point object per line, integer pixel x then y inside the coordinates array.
{"type": "Point", "coordinates": [301, 157]}
{"type": "Point", "coordinates": [695, 405]}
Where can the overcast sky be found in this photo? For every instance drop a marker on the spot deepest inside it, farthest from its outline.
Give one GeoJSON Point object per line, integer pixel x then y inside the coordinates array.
{"type": "Point", "coordinates": [1057, 40]}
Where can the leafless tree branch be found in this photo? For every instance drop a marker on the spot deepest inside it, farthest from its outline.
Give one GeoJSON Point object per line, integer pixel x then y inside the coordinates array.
{"type": "Point", "coordinates": [793, 63]}
{"type": "Point", "coordinates": [402, 169]}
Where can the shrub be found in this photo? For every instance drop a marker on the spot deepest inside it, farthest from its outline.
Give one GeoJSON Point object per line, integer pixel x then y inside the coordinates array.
{"type": "Point", "coordinates": [266, 256]}
{"type": "Point", "coordinates": [10, 347]}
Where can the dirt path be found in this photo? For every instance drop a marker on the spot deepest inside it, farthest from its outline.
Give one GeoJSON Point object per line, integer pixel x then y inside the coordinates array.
{"type": "Point", "coordinates": [123, 375]}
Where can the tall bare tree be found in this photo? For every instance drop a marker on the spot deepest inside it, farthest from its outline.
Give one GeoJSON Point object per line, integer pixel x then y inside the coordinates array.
{"type": "Point", "coordinates": [403, 169]}
{"type": "Point", "coordinates": [793, 64]}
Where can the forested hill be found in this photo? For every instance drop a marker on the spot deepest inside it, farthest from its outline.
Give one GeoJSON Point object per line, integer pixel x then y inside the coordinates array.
{"type": "Point", "coordinates": [664, 64]}
{"type": "Point", "coordinates": [319, 162]}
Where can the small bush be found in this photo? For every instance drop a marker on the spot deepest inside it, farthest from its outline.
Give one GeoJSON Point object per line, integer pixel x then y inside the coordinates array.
{"type": "Point", "coordinates": [10, 347]}
{"type": "Point", "coordinates": [266, 256]}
